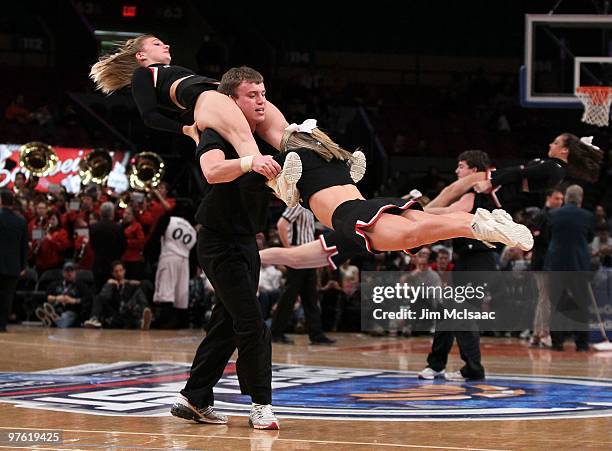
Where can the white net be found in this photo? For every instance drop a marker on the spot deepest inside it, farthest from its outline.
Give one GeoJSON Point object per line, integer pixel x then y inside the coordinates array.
{"type": "Point", "coordinates": [596, 101]}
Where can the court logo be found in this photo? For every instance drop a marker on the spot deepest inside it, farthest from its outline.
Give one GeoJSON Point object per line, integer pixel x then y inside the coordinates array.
{"type": "Point", "coordinates": [148, 389]}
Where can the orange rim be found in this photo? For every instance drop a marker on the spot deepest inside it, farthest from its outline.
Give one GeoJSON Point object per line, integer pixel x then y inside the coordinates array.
{"type": "Point", "coordinates": [599, 94]}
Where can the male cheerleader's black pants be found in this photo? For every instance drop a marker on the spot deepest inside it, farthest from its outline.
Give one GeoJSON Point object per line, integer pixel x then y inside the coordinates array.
{"type": "Point", "coordinates": [304, 283]}
{"type": "Point", "coordinates": [468, 339]}
{"type": "Point", "coordinates": [232, 265]}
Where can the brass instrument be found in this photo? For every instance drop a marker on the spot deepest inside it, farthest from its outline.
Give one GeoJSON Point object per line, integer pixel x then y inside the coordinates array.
{"type": "Point", "coordinates": [95, 167]}
{"type": "Point", "coordinates": [146, 171]}
{"type": "Point", "coordinates": [38, 158]}
{"type": "Point", "coordinates": [81, 252]}
{"type": "Point", "coordinates": [124, 200]}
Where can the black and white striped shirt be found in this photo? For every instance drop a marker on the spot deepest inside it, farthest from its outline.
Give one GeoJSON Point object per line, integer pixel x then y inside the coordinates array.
{"type": "Point", "coordinates": [302, 225]}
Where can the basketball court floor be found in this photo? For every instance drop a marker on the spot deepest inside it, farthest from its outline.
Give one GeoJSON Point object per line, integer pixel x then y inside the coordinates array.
{"type": "Point", "coordinates": [111, 389]}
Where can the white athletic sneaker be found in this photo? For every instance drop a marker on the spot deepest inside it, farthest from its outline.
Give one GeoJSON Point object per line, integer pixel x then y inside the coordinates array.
{"type": "Point", "coordinates": [430, 374]}
{"type": "Point", "coordinates": [285, 184]}
{"type": "Point", "coordinates": [504, 217]}
{"type": "Point", "coordinates": [546, 342]}
{"type": "Point", "coordinates": [486, 228]}
{"type": "Point", "coordinates": [454, 376]}
{"type": "Point", "coordinates": [182, 408]}
{"type": "Point", "coordinates": [357, 166]}
{"type": "Point", "coordinates": [92, 323]}
{"type": "Point", "coordinates": [147, 317]}
{"type": "Point", "coordinates": [262, 417]}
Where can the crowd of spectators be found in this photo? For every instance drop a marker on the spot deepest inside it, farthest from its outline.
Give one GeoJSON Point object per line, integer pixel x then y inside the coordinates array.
{"type": "Point", "coordinates": [90, 264]}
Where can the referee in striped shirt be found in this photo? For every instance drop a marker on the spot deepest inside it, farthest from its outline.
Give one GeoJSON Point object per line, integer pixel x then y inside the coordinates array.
{"type": "Point", "coordinates": [295, 227]}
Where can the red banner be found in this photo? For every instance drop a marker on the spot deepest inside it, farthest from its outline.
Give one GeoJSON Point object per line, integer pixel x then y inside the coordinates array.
{"type": "Point", "coordinates": [67, 165]}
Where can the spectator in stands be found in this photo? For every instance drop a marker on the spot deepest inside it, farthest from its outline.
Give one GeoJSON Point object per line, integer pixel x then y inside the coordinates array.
{"type": "Point", "coordinates": [443, 260]}
{"type": "Point", "coordinates": [349, 276]}
{"type": "Point", "coordinates": [108, 243]}
{"type": "Point", "coordinates": [21, 187]}
{"type": "Point", "coordinates": [161, 202]}
{"type": "Point", "coordinates": [122, 303]}
{"type": "Point", "coordinates": [86, 206]}
{"type": "Point", "coordinates": [135, 239]}
{"type": "Point", "coordinates": [39, 220]}
{"type": "Point", "coordinates": [14, 245]}
{"type": "Point", "coordinates": [601, 217]}
{"type": "Point", "coordinates": [443, 265]}
{"type": "Point", "coordinates": [144, 215]}
{"type": "Point", "coordinates": [422, 275]}
{"type": "Point", "coordinates": [601, 246]}
{"type": "Point", "coordinates": [17, 111]}
{"type": "Point", "coordinates": [67, 300]}
{"type": "Point", "coordinates": [48, 251]}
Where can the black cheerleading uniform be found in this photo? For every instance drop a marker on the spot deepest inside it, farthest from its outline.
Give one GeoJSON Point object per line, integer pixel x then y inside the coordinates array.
{"type": "Point", "coordinates": [151, 92]}
{"type": "Point", "coordinates": [350, 218]}
{"type": "Point", "coordinates": [541, 174]}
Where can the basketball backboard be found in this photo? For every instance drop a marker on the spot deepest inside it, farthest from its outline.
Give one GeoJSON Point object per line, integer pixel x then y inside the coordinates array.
{"type": "Point", "coordinates": [563, 52]}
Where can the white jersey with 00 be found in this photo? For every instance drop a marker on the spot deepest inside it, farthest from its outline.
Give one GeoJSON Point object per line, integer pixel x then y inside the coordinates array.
{"type": "Point", "coordinates": [179, 238]}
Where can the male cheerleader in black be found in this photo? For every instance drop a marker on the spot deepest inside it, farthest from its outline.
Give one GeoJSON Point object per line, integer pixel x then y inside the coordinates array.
{"type": "Point", "coordinates": [468, 255]}
{"type": "Point", "coordinates": [227, 252]}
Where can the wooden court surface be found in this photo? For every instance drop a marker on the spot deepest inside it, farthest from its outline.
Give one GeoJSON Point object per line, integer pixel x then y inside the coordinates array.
{"type": "Point", "coordinates": [34, 349]}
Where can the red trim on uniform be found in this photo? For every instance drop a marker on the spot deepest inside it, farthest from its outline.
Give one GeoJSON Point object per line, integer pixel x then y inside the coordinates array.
{"type": "Point", "coordinates": [361, 225]}
{"type": "Point", "coordinates": [331, 251]}
{"type": "Point", "coordinates": [154, 74]}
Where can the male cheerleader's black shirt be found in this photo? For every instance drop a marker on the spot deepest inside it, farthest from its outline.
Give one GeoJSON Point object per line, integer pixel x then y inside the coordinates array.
{"type": "Point", "coordinates": [151, 92]}
{"type": "Point", "coordinates": [225, 208]}
{"type": "Point", "coordinates": [541, 174]}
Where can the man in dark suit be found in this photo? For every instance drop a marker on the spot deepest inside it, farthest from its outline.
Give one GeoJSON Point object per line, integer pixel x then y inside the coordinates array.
{"type": "Point", "coordinates": [572, 228]}
{"type": "Point", "coordinates": [14, 245]}
{"type": "Point", "coordinates": [107, 242]}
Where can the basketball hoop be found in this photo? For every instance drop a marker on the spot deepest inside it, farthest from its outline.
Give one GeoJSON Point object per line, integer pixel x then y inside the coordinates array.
{"type": "Point", "coordinates": [596, 101]}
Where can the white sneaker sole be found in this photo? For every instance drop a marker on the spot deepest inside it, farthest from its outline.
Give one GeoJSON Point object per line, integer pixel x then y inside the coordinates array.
{"type": "Point", "coordinates": [455, 379]}
{"type": "Point", "coordinates": [358, 166]}
{"type": "Point", "coordinates": [289, 176]}
{"type": "Point", "coordinates": [274, 425]}
{"type": "Point", "coordinates": [504, 217]}
{"type": "Point", "coordinates": [183, 409]}
{"type": "Point", "coordinates": [439, 375]}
